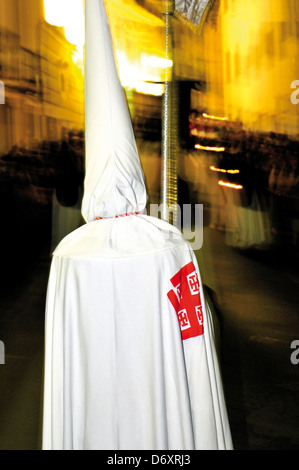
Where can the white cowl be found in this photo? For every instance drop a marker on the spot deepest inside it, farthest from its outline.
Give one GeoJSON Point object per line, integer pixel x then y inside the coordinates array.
{"type": "Point", "coordinates": [130, 357]}
{"type": "Point", "coordinates": [114, 182]}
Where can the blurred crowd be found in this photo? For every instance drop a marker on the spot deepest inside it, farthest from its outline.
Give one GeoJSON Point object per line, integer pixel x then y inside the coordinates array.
{"type": "Point", "coordinates": [42, 186]}
{"type": "Point", "coordinates": [40, 191]}
{"type": "Point", "coordinates": [258, 204]}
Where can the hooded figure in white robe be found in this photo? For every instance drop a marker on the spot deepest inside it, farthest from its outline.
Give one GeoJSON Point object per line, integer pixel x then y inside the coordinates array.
{"type": "Point", "coordinates": [130, 358]}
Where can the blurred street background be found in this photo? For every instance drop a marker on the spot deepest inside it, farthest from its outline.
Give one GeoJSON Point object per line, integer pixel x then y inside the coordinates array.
{"type": "Point", "coordinates": [237, 135]}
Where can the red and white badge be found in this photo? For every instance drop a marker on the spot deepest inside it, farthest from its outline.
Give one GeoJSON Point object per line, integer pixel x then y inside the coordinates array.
{"type": "Point", "coordinates": [185, 298]}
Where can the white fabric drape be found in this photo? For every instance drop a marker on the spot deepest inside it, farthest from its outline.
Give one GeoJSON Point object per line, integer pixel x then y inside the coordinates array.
{"type": "Point", "coordinates": [118, 373]}
{"type": "Point", "coordinates": [130, 358]}
{"type": "Point", "coordinates": [114, 181]}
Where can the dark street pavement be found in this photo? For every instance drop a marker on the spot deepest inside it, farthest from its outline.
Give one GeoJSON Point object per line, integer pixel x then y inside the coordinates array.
{"type": "Point", "coordinates": [257, 300]}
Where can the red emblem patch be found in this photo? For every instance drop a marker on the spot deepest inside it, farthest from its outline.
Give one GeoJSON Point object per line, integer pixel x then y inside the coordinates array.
{"type": "Point", "coordinates": [185, 298]}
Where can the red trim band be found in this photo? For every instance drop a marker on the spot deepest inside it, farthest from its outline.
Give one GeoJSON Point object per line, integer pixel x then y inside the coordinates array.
{"type": "Point", "coordinates": [117, 216]}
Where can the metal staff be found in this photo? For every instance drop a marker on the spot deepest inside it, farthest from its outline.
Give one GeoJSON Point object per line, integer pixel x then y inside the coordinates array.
{"type": "Point", "coordinates": [169, 124]}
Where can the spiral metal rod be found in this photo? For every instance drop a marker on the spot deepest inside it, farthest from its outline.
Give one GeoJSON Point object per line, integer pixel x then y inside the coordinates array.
{"type": "Point", "coordinates": [169, 126]}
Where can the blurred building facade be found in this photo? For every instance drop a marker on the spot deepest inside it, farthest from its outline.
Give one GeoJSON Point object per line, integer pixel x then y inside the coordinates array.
{"type": "Point", "coordinates": [43, 84]}
{"type": "Point", "coordinates": [240, 68]}
{"type": "Point", "coordinates": [242, 64]}
{"type": "Point", "coordinates": [256, 62]}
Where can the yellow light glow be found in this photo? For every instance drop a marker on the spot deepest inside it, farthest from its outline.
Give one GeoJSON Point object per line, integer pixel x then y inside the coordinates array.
{"type": "Point", "coordinates": [129, 73]}
{"type": "Point", "coordinates": [210, 149]}
{"type": "Point", "coordinates": [68, 14]}
{"type": "Point", "coordinates": [133, 77]}
{"type": "Point", "coordinates": [155, 61]}
{"type": "Point", "coordinates": [209, 116]}
{"type": "Point", "coordinates": [154, 89]}
{"type": "Point", "coordinates": [230, 185]}
{"type": "Point", "coordinates": [221, 170]}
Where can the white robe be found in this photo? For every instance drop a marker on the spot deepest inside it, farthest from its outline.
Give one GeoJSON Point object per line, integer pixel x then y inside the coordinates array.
{"type": "Point", "coordinates": [118, 374]}
{"type": "Point", "coordinates": [130, 357]}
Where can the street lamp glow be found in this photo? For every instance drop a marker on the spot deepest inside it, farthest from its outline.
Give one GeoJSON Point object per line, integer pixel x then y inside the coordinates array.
{"type": "Point", "coordinates": [209, 149]}
{"type": "Point", "coordinates": [155, 61]}
{"type": "Point", "coordinates": [230, 185]}
{"type": "Point", "coordinates": [55, 13]}
{"type": "Point", "coordinates": [155, 89]}
{"type": "Point", "coordinates": [217, 118]}
{"type": "Point", "coordinates": [222, 170]}
{"type": "Point", "coordinates": [68, 14]}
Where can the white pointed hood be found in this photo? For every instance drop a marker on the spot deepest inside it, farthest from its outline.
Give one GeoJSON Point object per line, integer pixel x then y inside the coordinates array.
{"type": "Point", "coordinates": [114, 181]}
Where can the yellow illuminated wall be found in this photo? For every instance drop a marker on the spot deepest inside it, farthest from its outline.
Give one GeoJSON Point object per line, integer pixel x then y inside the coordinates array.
{"type": "Point", "coordinates": [43, 82]}
{"type": "Point", "coordinates": [257, 64]}
{"type": "Point", "coordinates": [68, 14]}
{"type": "Point", "coordinates": [139, 45]}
